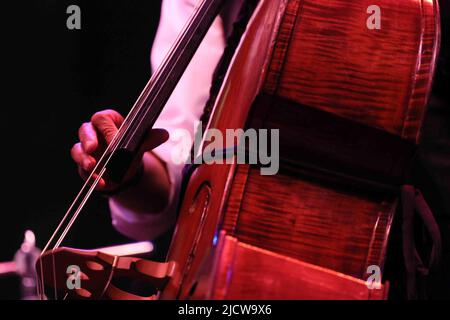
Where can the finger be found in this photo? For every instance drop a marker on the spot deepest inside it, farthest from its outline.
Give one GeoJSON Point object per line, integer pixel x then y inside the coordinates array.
{"type": "Point", "coordinates": [88, 137]}
{"type": "Point", "coordinates": [101, 185]}
{"type": "Point", "coordinates": [81, 158]}
{"type": "Point", "coordinates": [107, 123]}
{"type": "Point", "coordinates": [83, 174]}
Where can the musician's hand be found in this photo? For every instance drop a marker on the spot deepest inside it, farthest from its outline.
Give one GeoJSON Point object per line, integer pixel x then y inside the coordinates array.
{"type": "Point", "coordinates": [97, 134]}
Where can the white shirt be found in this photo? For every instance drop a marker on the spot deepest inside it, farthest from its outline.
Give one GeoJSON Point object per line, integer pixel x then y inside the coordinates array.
{"type": "Point", "coordinates": [182, 110]}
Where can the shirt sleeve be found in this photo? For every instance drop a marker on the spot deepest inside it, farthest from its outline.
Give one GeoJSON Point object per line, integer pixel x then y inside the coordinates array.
{"type": "Point", "coordinates": [183, 109]}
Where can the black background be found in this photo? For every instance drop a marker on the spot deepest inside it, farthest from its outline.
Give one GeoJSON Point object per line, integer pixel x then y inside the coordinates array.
{"type": "Point", "coordinates": [52, 80]}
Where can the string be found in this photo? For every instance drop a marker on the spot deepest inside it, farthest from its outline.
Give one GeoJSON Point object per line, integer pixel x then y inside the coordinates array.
{"type": "Point", "coordinates": [77, 212]}
{"type": "Point", "coordinates": [89, 186]}
{"type": "Point", "coordinates": [117, 139]}
{"type": "Point", "coordinates": [134, 113]}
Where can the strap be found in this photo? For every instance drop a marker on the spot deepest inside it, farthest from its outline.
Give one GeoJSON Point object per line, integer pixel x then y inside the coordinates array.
{"type": "Point", "coordinates": [413, 201]}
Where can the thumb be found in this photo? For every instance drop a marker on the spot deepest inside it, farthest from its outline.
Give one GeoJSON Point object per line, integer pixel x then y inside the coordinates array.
{"type": "Point", "coordinates": [153, 139]}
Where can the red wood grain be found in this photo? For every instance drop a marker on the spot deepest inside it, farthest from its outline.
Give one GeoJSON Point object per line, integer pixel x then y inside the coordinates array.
{"type": "Point", "coordinates": [315, 222]}
{"type": "Point", "coordinates": [296, 229]}
{"type": "Point", "coordinates": [247, 272]}
{"type": "Point", "coordinates": [378, 77]}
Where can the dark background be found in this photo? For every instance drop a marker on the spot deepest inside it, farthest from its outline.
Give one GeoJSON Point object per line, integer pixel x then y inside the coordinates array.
{"type": "Point", "coordinates": [53, 79]}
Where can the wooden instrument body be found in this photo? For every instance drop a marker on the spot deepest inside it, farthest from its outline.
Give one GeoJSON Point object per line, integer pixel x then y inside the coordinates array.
{"type": "Point", "coordinates": [312, 230]}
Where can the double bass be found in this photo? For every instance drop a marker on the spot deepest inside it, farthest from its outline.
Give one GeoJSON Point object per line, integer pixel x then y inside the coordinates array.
{"type": "Point", "coordinates": [348, 101]}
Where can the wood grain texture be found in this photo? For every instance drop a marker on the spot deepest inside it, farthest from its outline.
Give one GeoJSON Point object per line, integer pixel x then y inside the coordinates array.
{"type": "Point", "coordinates": [319, 223]}
{"type": "Point", "coordinates": [378, 77]}
{"type": "Point", "coordinates": [240, 88]}
{"type": "Point", "coordinates": [248, 272]}
{"type": "Point", "coordinates": [320, 55]}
